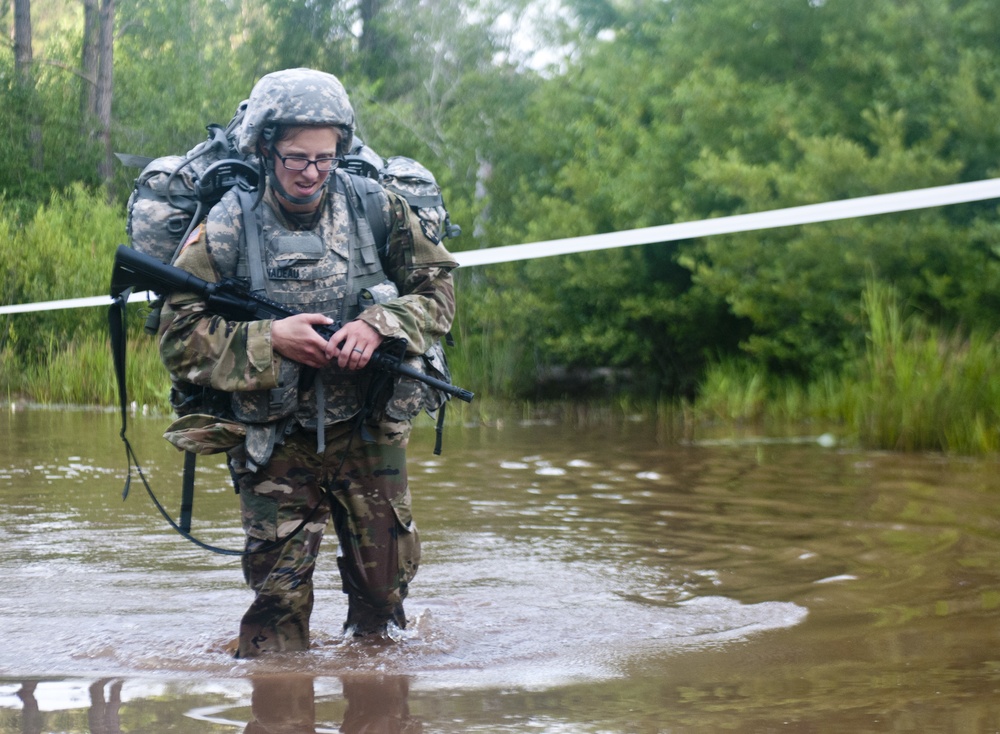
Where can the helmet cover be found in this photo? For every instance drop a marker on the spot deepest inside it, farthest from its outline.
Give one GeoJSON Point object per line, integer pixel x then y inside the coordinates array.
{"type": "Point", "coordinates": [297, 97]}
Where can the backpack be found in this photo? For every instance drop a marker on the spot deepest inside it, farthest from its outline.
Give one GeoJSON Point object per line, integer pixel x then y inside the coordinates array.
{"type": "Point", "coordinates": [417, 186]}
{"type": "Point", "coordinates": [174, 193]}
{"type": "Point", "coordinates": [410, 180]}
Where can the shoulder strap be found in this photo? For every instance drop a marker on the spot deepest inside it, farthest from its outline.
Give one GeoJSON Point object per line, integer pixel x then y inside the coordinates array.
{"type": "Point", "coordinates": [368, 192]}
{"type": "Point", "coordinates": [252, 236]}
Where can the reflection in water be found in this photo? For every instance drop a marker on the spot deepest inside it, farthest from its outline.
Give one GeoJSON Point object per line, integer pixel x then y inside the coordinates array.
{"type": "Point", "coordinates": [282, 705]}
{"type": "Point", "coordinates": [286, 704]}
{"type": "Point", "coordinates": [279, 704]}
{"type": "Point", "coordinates": [103, 714]}
{"type": "Point", "coordinates": [31, 716]}
{"type": "Point", "coordinates": [378, 706]}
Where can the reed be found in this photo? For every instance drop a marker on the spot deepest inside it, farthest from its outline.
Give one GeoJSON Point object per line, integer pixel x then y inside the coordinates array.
{"type": "Point", "coordinates": [922, 389]}
{"type": "Point", "coordinates": [82, 373]}
{"type": "Point", "coordinates": [733, 392]}
{"type": "Point", "coordinates": [914, 388]}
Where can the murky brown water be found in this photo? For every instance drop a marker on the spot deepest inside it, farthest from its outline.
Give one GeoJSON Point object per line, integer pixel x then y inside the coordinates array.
{"type": "Point", "coordinates": [575, 579]}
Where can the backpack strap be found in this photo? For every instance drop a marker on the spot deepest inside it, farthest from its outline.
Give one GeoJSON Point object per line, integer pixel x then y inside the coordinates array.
{"type": "Point", "coordinates": [252, 235]}
{"type": "Point", "coordinates": [118, 330]}
{"type": "Point", "coordinates": [187, 490]}
{"type": "Point", "coordinates": [369, 194]}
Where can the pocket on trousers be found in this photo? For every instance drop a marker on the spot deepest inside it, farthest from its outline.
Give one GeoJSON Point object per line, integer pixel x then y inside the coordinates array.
{"type": "Point", "coordinates": [401, 506]}
{"type": "Point", "coordinates": [260, 515]}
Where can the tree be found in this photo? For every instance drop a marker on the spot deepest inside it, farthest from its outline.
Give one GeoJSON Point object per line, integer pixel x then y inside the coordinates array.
{"type": "Point", "coordinates": [22, 40]}
{"type": "Point", "coordinates": [24, 72]}
{"type": "Point", "coordinates": [90, 58]}
{"type": "Point", "coordinates": [700, 108]}
{"type": "Point", "coordinates": [105, 87]}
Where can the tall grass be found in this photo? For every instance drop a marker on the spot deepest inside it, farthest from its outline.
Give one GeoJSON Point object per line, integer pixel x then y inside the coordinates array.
{"type": "Point", "coordinates": [923, 389]}
{"type": "Point", "coordinates": [914, 388]}
{"type": "Point", "coordinates": [82, 373]}
{"type": "Point", "coordinates": [742, 393]}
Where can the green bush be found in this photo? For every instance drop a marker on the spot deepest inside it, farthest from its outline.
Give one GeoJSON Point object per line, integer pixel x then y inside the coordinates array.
{"type": "Point", "coordinates": [65, 250]}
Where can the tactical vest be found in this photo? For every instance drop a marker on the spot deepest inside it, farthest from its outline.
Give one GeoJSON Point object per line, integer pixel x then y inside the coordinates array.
{"type": "Point", "coordinates": [333, 269]}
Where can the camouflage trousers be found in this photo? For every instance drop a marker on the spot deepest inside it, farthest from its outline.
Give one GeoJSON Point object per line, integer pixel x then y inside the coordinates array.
{"type": "Point", "coordinates": [367, 495]}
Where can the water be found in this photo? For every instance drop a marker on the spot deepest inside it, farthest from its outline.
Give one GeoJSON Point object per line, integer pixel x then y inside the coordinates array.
{"type": "Point", "coordinates": [575, 578]}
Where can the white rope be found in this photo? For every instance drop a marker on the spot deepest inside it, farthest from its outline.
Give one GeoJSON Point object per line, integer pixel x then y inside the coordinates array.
{"type": "Point", "coordinates": [864, 206]}
{"type": "Point", "coordinates": [72, 303]}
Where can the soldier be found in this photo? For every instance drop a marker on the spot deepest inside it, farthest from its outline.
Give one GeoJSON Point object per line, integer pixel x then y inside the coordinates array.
{"type": "Point", "coordinates": [322, 439]}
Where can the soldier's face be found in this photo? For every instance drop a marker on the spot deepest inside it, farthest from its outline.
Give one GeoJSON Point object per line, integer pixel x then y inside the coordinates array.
{"type": "Point", "coordinates": [305, 144]}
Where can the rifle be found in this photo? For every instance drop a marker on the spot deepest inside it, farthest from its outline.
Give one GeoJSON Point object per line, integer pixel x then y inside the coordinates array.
{"type": "Point", "coordinates": [232, 299]}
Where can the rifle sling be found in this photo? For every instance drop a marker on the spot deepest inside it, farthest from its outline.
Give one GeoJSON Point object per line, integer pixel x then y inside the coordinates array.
{"type": "Point", "coordinates": [117, 329]}
{"type": "Point", "coordinates": [187, 491]}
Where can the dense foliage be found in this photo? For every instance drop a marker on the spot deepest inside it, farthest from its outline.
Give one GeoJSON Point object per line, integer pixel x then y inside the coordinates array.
{"type": "Point", "coordinates": [701, 108]}
{"type": "Point", "coordinates": [655, 111]}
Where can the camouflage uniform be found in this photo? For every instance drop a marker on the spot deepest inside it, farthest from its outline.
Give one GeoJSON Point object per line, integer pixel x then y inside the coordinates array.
{"type": "Point", "coordinates": [365, 489]}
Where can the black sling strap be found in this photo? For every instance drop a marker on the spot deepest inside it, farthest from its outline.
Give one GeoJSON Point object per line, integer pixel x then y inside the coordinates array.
{"type": "Point", "coordinates": [116, 330]}
{"type": "Point", "coordinates": [187, 491]}
{"type": "Point", "coordinates": [118, 333]}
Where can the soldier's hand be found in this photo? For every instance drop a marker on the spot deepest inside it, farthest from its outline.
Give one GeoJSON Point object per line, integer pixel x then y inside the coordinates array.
{"type": "Point", "coordinates": [353, 345]}
{"type": "Point", "coordinates": [295, 338]}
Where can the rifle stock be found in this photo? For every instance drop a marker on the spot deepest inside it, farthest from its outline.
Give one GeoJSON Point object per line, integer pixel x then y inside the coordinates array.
{"type": "Point", "coordinates": [133, 269]}
{"type": "Point", "coordinates": [231, 299]}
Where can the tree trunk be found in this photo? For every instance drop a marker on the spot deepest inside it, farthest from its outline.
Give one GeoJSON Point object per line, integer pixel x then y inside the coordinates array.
{"type": "Point", "coordinates": [89, 63]}
{"type": "Point", "coordinates": [369, 42]}
{"type": "Point", "coordinates": [106, 43]}
{"type": "Point", "coordinates": [26, 78]}
{"type": "Point", "coordinates": [22, 40]}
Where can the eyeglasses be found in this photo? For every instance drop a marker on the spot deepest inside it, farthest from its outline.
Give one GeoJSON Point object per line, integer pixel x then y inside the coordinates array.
{"type": "Point", "coordinates": [298, 163]}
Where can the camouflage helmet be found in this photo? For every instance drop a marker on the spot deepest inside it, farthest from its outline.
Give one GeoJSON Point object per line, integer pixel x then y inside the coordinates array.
{"type": "Point", "coordinates": [296, 97]}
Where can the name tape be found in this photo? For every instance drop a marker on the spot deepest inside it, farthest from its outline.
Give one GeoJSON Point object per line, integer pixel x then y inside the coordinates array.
{"type": "Point", "coordinates": [864, 206]}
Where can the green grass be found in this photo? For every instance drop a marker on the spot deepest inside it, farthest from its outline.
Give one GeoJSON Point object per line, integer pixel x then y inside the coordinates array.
{"type": "Point", "coordinates": [923, 389]}
{"type": "Point", "coordinates": [915, 388]}
{"type": "Point", "coordinates": [83, 373]}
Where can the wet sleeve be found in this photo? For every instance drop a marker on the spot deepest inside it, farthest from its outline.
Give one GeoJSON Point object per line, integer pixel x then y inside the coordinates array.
{"type": "Point", "coordinates": [421, 269]}
{"type": "Point", "coordinates": [205, 349]}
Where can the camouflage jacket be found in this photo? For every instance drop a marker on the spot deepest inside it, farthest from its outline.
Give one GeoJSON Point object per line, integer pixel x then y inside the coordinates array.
{"type": "Point", "coordinates": [207, 350]}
